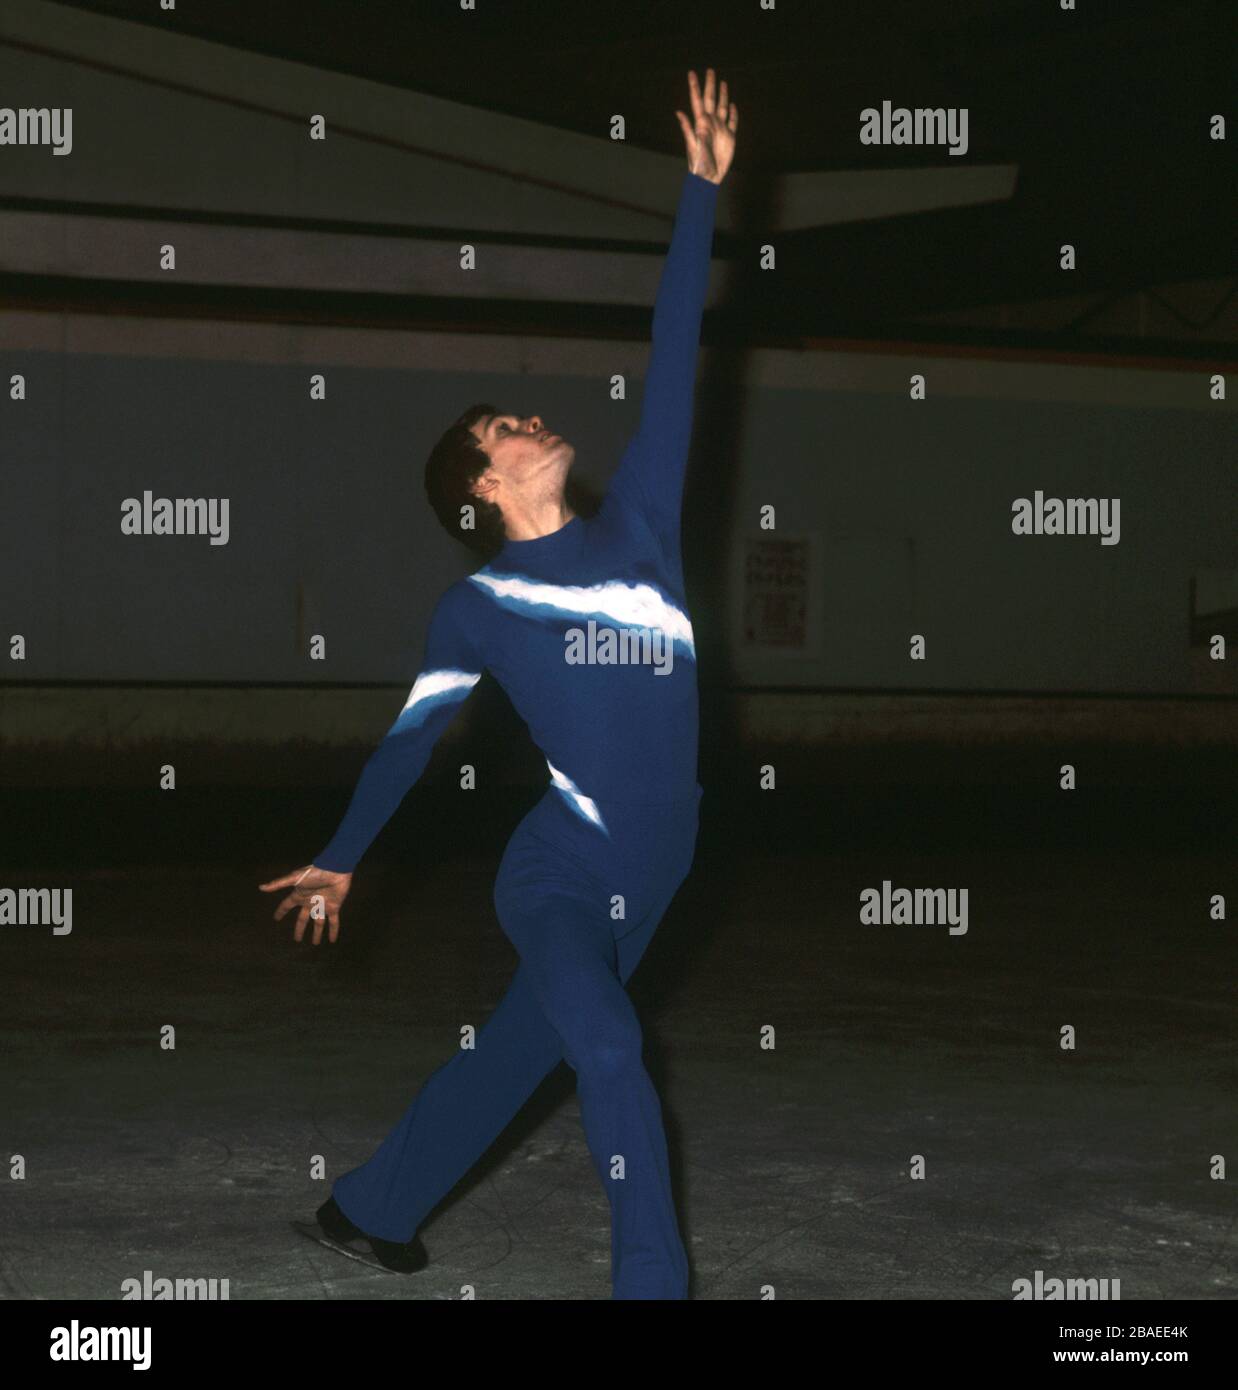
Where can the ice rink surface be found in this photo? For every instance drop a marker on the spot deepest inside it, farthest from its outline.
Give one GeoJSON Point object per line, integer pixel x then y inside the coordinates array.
{"type": "Point", "coordinates": [792, 1163]}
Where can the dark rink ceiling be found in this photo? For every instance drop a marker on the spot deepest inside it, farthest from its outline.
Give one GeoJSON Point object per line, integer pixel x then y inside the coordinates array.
{"type": "Point", "coordinates": [1104, 111]}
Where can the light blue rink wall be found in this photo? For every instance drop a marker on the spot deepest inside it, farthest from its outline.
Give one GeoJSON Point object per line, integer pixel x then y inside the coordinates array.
{"type": "Point", "coordinates": [906, 506]}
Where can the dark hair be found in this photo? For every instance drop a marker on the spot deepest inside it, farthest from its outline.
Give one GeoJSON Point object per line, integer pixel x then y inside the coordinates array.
{"type": "Point", "coordinates": [454, 465]}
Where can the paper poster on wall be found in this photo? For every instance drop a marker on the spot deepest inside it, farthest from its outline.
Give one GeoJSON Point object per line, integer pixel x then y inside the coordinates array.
{"type": "Point", "coordinates": [776, 595]}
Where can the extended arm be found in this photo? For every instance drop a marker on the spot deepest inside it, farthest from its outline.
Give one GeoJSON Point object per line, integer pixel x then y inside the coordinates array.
{"type": "Point", "coordinates": [450, 670]}
{"type": "Point", "coordinates": [651, 472]}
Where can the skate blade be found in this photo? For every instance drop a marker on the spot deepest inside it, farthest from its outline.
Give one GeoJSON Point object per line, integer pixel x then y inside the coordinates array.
{"type": "Point", "coordinates": [313, 1231]}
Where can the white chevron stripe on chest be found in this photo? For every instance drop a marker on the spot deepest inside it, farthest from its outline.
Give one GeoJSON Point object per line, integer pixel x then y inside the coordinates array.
{"type": "Point", "coordinates": [630, 605]}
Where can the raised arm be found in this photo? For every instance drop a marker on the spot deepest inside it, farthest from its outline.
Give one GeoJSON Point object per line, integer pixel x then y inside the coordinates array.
{"type": "Point", "coordinates": [650, 475]}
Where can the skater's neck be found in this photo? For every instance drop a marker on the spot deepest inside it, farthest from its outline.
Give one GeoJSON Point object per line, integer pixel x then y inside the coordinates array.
{"type": "Point", "coordinates": [529, 519]}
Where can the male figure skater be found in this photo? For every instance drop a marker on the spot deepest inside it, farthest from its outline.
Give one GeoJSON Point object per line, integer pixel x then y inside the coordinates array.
{"type": "Point", "coordinates": [589, 872]}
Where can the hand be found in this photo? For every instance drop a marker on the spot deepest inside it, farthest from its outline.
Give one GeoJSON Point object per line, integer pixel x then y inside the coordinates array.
{"type": "Point", "coordinates": [710, 135]}
{"type": "Point", "coordinates": [310, 884]}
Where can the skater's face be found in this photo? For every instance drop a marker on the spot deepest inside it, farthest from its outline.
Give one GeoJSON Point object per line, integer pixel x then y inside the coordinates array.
{"type": "Point", "coordinates": [523, 453]}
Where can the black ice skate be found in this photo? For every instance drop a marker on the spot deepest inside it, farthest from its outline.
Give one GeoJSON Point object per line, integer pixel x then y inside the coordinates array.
{"type": "Point", "coordinates": [337, 1232]}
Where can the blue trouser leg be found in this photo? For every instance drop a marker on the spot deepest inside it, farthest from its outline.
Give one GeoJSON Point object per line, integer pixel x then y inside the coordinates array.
{"type": "Point", "coordinates": [455, 1117]}
{"type": "Point", "coordinates": [462, 1108]}
{"type": "Point", "coordinates": [557, 894]}
{"type": "Point", "coordinates": [564, 936]}
{"type": "Point", "coordinates": [567, 998]}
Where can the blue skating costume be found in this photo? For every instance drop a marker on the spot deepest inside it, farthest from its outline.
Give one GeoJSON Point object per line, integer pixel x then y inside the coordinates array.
{"type": "Point", "coordinates": [587, 631]}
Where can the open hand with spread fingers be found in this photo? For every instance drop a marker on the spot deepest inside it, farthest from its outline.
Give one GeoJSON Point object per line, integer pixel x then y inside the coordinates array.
{"type": "Point", "coordinates": [710, 135]}
{"type": "Point", "coordinates": [319, 893]}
